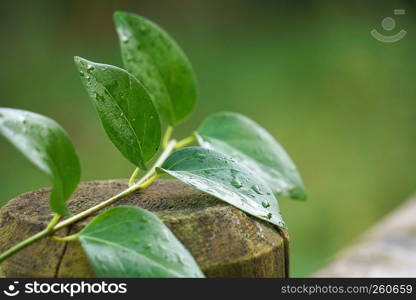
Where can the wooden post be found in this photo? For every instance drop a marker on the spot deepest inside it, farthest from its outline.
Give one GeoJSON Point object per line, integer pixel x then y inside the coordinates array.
{"type": "Point", "coordinates": [387, 250]}
{"type": "Point", "coordinates": [224, 241]}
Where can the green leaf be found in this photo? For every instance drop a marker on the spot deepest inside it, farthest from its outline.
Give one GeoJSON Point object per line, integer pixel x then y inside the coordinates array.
{"type": "Point", "coordinates": [251, 145]}
{"type": "Point", "coordinates": [219, 175]}
{"type": "Point", "coordinates": [151, 55]}
{"type": "Point", "coordinates": [125, 109]}
{"type": "Point", "coordinates": [46, 145]}
{"type": "Point", "coordinates": [132, 242]}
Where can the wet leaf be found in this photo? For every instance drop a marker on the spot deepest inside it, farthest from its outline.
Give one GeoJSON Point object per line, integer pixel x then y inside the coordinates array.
{"type": "Point", "coordinates": [126, 110]}
{"type": "Point", "coordinates": [132, 242]}
{"type": "Point", "coordinates": [154, 58]}
{"type": "Point", "coordinates": [219, 175]}
{"type": "Point", "coordinates": [251, 145]}
{"type": "Point", "coordinates": [45, 143]}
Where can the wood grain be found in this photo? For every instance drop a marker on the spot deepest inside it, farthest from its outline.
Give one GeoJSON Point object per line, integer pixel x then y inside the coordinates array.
{"type": "Point", "coordinates": [387, 250]}
{"type": "Point", "coordinates": [224, 241]}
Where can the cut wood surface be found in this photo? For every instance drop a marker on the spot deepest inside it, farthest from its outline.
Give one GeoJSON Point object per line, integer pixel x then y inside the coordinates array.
{"type": "Point", "coordinates": [224, 241]}
{"type": "Point", "coordinates": [387, 250]}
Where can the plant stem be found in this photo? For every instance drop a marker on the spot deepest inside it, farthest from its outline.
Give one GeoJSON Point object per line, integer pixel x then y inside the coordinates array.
{"type": "Point", "coordinates": [165, 142]}
{"type": "Point", "coordinates": [55, 219]}
{"type": "Point", "coordinates": [68, 238]}
{"type": "Point", "coordinates": [53, 226]}
{"type": "Point", "coordinates": [138, 186]}
{"type": "Point", "coordinates": [144, 182]}
{"type": "Point", "coordinates": [168, 150]}
{"type": "Point", "coordinates": [23, 244]}
{"type": "Point", "coordinates": [133, 176]}
{"type": "Point", "coordinates": [167, 136]}
{"type": "Point", "coordinates": [184, 142]}
{"type": "Point", "coordinates": [48, 230]}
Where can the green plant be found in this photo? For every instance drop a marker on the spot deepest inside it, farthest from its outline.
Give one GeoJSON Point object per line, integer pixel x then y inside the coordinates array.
{"type": "Point", "coordinates": [237, 161]}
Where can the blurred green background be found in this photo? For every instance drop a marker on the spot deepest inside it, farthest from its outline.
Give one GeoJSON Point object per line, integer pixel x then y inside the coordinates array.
{"type": "Point", "coordinates": [341, 102]}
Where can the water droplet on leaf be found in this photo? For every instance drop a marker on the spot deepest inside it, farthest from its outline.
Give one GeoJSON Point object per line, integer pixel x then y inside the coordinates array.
{"type": "Point", "coordinates": [256, 189]}
{"type": "Point", "coordinates": [265, 203]}
{"type": "Point", "coordinates": [235, 182]}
